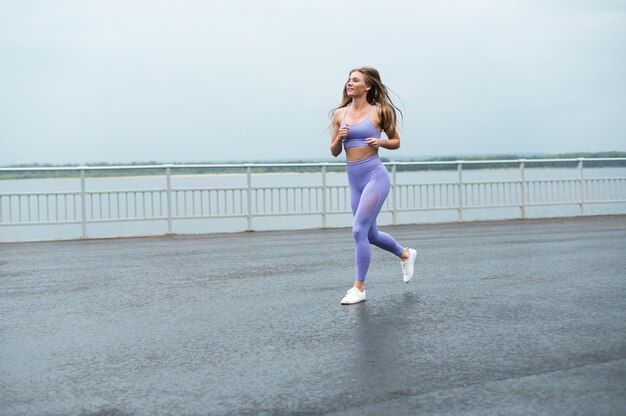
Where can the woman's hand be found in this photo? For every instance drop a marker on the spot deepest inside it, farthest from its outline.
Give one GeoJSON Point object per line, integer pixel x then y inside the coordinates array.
{"type": "Point", "coordinates": [342, 133]}
{"type": "Point", "coordinates": [373, 142]}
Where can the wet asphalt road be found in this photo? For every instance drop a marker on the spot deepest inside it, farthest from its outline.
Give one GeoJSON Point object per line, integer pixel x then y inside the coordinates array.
{"type": "Point", "coordinates": [515, 317]}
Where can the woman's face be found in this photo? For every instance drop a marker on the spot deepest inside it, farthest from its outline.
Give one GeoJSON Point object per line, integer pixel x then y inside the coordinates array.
{"type": "Point", "coordinates": [356, 86]}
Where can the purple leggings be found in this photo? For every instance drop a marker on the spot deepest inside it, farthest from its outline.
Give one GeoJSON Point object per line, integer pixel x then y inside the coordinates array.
{"type": "Point", "coordinates": [369, 185]}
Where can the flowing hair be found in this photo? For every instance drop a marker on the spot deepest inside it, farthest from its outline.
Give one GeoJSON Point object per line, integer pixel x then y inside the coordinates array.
{"type": "Point", "coordinates": [378, 95]}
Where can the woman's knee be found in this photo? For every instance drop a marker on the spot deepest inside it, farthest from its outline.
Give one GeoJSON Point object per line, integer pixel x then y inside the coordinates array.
{"type": "Point", "coordinates": [360, 232]}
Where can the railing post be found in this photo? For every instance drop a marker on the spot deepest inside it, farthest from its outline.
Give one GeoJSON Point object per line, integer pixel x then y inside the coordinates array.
{"type": "Point", "coordinates": [394, 206]}
{"type": "Point", "coordinates": [83, 203]}
{"type": "Point", "coordinates": [581, 179]}
{"type": "Point", "coordinates": [522, 190]}
{"type": "Point", "coordinates": [248, 196]}
{"type": "Point", "coordinates": [459, 209]}
{"type": "Point", "coordinates": [168, 194]}
{"type": "Point", "coordinates": [324, 219]}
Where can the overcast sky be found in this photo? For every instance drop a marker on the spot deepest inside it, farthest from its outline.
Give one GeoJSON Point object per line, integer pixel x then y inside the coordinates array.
{"type": "Point", "coordinates": [225, 80]}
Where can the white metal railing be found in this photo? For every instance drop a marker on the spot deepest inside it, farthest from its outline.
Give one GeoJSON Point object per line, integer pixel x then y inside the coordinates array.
{"type": "Point", "coordinates": [170, 204]}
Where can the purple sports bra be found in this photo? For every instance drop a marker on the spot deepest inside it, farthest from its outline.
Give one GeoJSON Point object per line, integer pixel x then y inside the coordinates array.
{"type": "Point", "coordinates": [360, 131]}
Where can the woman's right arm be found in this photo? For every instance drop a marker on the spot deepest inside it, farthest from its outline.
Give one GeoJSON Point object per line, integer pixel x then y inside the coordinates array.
{"type": "Point", "coordinates": [336, 138]}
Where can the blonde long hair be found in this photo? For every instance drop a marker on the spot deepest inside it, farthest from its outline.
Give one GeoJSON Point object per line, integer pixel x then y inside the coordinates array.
{"type": "Point", "coordinates": [377, 95]}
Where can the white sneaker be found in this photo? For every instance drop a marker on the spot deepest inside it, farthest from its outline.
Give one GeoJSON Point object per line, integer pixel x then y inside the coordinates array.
{"type": "Point", "coordinates": [354, 295]}
{"type": "Point", "coordinates": [408, 267]}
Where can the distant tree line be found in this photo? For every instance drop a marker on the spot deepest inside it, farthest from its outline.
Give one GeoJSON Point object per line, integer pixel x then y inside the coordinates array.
{"type": "Point", "coordinates": [270, 169]}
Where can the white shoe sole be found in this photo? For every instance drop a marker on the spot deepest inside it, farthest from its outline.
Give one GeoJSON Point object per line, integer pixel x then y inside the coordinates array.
{"type": "Point", "coordinates": [352, 303]}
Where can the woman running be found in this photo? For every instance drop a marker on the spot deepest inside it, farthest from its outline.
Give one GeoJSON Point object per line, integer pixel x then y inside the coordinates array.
{"type": "Point", "coordinates": [366, 111]}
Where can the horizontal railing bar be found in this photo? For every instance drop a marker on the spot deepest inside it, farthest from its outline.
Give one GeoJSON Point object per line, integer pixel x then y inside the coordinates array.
{"type": "Point", "coordinates": [552, 203]}
{"type": "Point", "coordinates": [604, 201]}
{"type": "Point", "coordinates": [292, 213]}
{"type": "Point", "coordinates": [446, 208]}
{"type": "Point", "coordinates": [8, 224]}
{"type": "Point", "coordinates": [21, 194]}
{"type": "Point", "coordinates": [456, 183]}
{"type": "Point", "coordinates": [291, 188]}
{"type": "Point", "coordinates": [161, 167]}
{"type": "Point", "coordinates": [81, 168]}
{"type": "Point", "coordinates": [109, 220]}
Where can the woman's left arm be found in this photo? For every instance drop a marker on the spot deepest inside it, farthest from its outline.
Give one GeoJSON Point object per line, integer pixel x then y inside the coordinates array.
{"type": "Point", "coordinates": [391, 142]}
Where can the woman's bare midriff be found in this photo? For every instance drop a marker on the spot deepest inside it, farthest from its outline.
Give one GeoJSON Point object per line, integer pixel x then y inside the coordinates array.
{"type": "Point", "coordinates": [359, 152]}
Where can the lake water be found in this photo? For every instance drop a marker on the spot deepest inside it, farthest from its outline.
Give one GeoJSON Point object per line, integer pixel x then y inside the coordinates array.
{"type": "Point", "coordinates": [184, 226]}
